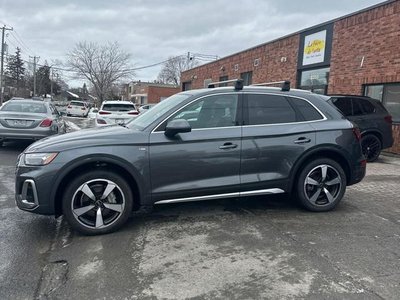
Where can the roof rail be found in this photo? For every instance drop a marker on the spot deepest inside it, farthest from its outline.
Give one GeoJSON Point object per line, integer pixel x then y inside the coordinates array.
{"type": "Point", "coordinates": [285, 84]}
{"type": "Point", "coordinates": [238, 83]}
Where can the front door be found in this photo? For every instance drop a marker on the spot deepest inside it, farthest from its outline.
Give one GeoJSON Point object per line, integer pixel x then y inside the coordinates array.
{"type": "Point", "coordinates": [203, 162]}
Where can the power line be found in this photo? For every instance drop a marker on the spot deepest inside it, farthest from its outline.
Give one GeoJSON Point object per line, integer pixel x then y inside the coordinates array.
{"type": "Point", "coordinates": [22, 41]}
{"type": "Point", "coordinates": [21, 45]}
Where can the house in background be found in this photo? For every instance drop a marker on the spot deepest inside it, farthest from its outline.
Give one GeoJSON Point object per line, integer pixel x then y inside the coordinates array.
{"type": "Point", "coordinates": [149, 92]}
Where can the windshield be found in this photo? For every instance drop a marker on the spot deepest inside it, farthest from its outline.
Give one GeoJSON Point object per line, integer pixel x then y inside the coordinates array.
{"type": "Point", "coordinates": [157, 111]}
{"type": "Point", "coordinates": [118, 107]}
{"type": "Point", "coordinates": [28, 107]}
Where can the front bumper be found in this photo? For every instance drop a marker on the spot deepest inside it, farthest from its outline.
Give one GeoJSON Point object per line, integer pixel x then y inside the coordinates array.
{"type": "Point", "coordinates": [33, 188]}
{"type": "Point", "coordinates": [28, 199]}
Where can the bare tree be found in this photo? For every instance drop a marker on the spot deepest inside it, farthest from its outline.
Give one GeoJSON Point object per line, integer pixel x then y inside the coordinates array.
{"type": "Point", "coordinates": [171, 71]}
{"type": "Point", "coordinates": [102, 65]}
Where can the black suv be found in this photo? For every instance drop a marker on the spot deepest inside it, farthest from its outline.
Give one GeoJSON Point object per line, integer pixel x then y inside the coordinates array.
{"type": "Point", "coordinates": [196, 145]}
{"type": "Point", "coordinates": [372, 118]}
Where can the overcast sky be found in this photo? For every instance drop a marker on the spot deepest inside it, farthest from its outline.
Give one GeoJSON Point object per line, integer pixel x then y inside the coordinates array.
{"type": "Point", "coordinates": [153, 30]}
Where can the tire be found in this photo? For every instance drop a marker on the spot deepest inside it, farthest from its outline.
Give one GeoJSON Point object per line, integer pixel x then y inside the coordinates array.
{"type": "Point", "coordinates": [371, 147]}
{"type": "Point", "coordinates": [94, 214]}
{"type": "Point", "coordinates": [321, 185]}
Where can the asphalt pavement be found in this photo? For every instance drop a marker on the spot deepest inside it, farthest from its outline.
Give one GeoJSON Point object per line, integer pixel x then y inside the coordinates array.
{"type": "Point", "coordinates": [251, 248]}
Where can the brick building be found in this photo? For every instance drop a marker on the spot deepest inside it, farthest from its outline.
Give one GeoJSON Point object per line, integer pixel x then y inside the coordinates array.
{"type": "Point", "coordinates": [149, 92]}
{"type": "Point", "coordinates": [355, 54]}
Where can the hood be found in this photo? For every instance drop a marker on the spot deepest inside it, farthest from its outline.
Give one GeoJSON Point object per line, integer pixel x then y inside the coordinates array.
{"type": "Point", "coordinates": [100, 136]}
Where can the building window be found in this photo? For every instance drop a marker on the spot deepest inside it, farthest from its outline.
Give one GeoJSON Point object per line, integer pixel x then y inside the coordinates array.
{"type": "Point", "coordinates": [186, 86]}
{"type": "Point", "coordinates": [315, 80]}
{"type": "Point", "coordinates": [247, 78]}
{"type": "Point", "coordinates": [223, 78]}
{"type": "Point", "coordinates": [207, 82]}
{"type": "Point", "coordinates": [389, 95]}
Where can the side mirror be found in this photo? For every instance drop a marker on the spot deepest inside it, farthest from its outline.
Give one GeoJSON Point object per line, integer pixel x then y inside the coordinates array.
{"type": "Point", "coordinates": [177, 126]}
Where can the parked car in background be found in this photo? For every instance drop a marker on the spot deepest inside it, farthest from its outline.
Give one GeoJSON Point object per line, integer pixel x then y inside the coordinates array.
{"type": "Point", "coordinates": [27, 119]}
{"type": "Point", "coordinates": [116, 112]}
{"type": "Point", "coordinates": [93, 112]}
{"type": "Point", "coordinates": [77, 108]}
{"type": "Point", "coordinates": [243, 142]}
{"type": "Point", "coordinates": [372, 118]}
{"type": "Point", "coordinates": [145, 108]}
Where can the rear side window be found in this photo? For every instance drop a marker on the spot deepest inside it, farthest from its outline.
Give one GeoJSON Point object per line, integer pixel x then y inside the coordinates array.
{"type": "Point", "coordinates": [118, 107]}
{"type": "Point", "coordinates": [344, 105]}
{"type": "Point", "coordinates": [306, 109]}
{"type": "Point", "coordinates": [269, 109]}
{"type": "Point", "coordinates": [365, 105]}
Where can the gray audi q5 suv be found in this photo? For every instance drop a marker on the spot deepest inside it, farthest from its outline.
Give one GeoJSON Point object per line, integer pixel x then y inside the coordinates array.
{"type": "Point", "coordinates": [196, 145]}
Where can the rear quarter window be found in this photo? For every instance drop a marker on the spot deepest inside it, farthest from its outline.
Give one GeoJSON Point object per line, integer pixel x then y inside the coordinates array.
{"type": "Point", "coordinates": [308, 111]}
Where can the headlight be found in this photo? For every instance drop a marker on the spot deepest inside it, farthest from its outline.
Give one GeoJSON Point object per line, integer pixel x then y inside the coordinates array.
{"type": "Point", "coordinates": [39, 159]}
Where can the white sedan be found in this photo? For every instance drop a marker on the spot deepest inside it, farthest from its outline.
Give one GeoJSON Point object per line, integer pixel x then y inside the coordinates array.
{"type": "Point", "coordinates": [116, 112]}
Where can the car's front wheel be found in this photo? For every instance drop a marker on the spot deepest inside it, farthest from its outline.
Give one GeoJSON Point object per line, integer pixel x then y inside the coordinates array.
{"type": "Point", "coordinates": [97, 202]}
{"type": "Point", "coordinates": [371, 147]}
{"type": "Point", "coordinates": [321, 185]}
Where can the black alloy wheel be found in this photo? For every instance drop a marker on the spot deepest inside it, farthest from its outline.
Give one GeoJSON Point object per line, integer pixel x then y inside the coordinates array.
{"type": "Point", "coordinates": [371, 147]}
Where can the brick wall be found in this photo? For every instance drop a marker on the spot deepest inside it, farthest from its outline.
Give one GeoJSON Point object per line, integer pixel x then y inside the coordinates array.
{"type": "Point", "coordinates": [374, 35]}
{"type": "Point", "coordinates": [155, 93]}
{"type": "Point", "coordinates": [365, 50]}
{"type": "Point", "coordinates": [277, 61]}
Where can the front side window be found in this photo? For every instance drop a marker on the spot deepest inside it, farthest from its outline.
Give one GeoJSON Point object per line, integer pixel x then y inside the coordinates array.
{"type": "Point", "coordinates": [211, 112]}
{"type": "Point", "coordinates": [269, 109]}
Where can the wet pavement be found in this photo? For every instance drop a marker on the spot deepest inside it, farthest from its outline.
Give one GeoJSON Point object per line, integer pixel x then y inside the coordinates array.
{"type": "Point", "coordinates": [253, 248]}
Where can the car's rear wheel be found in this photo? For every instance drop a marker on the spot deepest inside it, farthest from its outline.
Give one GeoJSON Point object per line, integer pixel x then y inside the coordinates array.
{"type": "Point", "coordinates": [97, 202]}
{"type": "Point", "coordinates": [321, 185]}
{"type": "Point", "coordinates": [371, 147]}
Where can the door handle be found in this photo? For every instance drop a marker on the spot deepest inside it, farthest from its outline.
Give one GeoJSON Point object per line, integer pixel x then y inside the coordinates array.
{"type": "Point", "coordinates": [228, 146]}
{"type": "Point", "coordinates": [302, 140]}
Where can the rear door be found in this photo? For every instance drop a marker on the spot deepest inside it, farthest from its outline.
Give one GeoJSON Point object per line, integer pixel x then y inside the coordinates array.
{"type": "Point", "coordinates": [275, 135]}
{"type": "Point", "coordinates": [203, 162]}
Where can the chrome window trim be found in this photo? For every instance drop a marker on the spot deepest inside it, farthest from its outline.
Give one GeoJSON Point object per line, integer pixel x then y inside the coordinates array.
{"type": "Point", "coordinates": [222, 196]}
{"type": "Point", "coordinates": [204, 96]}
{"type": "Point", "coordinates": [324, 118]}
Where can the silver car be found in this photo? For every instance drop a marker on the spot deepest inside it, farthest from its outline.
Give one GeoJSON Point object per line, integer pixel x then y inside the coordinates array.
{"type": "Point", "coordinates": [29, 119]}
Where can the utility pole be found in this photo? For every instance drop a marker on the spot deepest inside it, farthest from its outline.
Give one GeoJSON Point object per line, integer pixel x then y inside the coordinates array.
{"type": "Point", "coordinates": [34, 73]}
{"type": "Point", "coordinates": [51, 82]}
{"type": "Point", "coordinates": [3, 29]}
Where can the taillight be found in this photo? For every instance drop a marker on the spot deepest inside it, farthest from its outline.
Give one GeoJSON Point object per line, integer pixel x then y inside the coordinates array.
{"type": "Point", "coordinates": [46, 123]}
{"type": "Point", "coordinates": [388, 119]}
{"type": "Point", "coordinates": [83, 108]}
{"type": "Point", "coordinates": [133, 113]}
{"type": "Point", "coordinates": [357, 133]}
{"type": "Point", "coordinates": [104, 113]}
